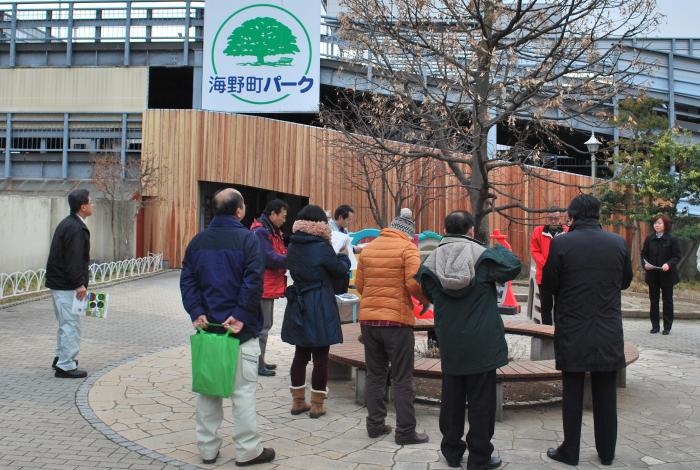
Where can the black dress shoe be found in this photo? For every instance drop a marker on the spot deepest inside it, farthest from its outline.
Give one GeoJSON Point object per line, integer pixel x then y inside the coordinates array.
{"type": "Point", "coordinates": [654, 330]}
{"type": "Point", "coordinates": [495, 462]}
{"type": "Point", "coordinates": [210, 461]}
{"type": "Point", "coordinates": [55, 361]}
{"type": "Point", "coordinates": [381, 432]}
{"type": "Point", "coordinates": [666, 332]}
{"type": "Point", "coordinates": [270, 366]}
{"type": "Point", "coordinates": [267, 455]}
{"type": "Point", "coordinates": [70, 374]}
{"type": "Point", "coordinates": [266, 372]}
{"type": "Point", "coordinates": [555, 455]}
{"type": "Point", "coordinates": [416, 438]}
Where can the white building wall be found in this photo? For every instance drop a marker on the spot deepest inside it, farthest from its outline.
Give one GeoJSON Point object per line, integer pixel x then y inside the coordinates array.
{"type": "Point", "coordinates": [28, 224]}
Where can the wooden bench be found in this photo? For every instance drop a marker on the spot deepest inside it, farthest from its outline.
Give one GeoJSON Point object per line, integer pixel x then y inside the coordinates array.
{"type": "Point", "coordinates": [351, 354]}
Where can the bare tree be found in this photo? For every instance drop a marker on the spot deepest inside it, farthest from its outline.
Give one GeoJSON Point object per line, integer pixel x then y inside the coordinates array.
{"type": "Point", "coordinates": [119, 183]}
{"type": "Point", "coordinates": [389, 180]}
{"type": "Point", "coordinates": [449, 71]}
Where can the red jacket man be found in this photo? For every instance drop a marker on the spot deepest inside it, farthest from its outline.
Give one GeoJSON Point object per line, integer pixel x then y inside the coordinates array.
{"type": "Point", "coordinates": [542, 237]}
{"type": "Point", "coordinates": [267, 230]}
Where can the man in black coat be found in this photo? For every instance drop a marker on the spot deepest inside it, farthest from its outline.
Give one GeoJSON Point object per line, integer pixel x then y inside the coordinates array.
{"type": "Point", "coordinates": [67, 275]}
{"type": "Point", "coordinates": [586, 270]}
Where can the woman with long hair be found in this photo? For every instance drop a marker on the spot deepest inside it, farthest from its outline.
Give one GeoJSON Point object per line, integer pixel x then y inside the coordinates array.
{"type": "Point", "coordinates": [311, 319]}
{"type": "Point", "coordinates": [660, 257]}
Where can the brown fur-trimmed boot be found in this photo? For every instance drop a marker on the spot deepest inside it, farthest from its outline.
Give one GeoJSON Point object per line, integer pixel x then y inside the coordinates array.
{"type": "Point", "coordinates": [317, 399]}
{"type": "Point", "coordinates": [299, 404]}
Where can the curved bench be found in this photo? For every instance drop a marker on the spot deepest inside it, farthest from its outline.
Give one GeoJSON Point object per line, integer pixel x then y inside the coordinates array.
{"type": "Point", "coordinates": [351, 354]}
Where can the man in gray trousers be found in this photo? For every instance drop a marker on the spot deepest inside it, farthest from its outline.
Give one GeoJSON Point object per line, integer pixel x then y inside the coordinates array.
{"type": "Point", "coordinates": [67, 275]}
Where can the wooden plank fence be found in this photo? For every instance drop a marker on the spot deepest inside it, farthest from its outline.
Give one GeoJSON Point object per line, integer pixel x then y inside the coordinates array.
{"type": "Point", "coordinates": [196, 146]}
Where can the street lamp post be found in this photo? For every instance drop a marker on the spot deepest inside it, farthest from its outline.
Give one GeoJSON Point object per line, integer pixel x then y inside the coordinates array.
{"type": "Point", "coordinates": [593, 145]}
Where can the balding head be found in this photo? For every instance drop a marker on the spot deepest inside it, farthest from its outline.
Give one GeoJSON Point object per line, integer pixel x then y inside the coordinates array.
{"type": "Point", "coordinates": [459, 223]}
{"type": "Point", "coordinates": [228, 201]}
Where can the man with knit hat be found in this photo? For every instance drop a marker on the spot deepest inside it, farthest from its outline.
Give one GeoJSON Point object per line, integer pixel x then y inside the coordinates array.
{"type": "Point", "coordinates": [385, 279]}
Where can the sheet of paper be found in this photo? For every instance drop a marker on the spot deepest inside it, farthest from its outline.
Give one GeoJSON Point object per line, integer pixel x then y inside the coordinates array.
{"type": "Point", "coordinates": [652, 266]}
{"type": "Point", "coordinates": [79, 306]}
{"type": "Point", "coordinates": [341, 240]}
{"type": "Point", "coordinates": [97, 305]}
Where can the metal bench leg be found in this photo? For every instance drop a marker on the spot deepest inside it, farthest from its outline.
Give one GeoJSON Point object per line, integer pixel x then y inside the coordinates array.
{"type": "Point", "coordinates": [338, 371]}
{"type": "Point", "coordinates": [499, 401]}
{"type": "Point", "coordinates": [622, 378]}
{"type": "Point", "coordinates": [360, 381]}
{"type": "Point", "coordinates": [541, 349]}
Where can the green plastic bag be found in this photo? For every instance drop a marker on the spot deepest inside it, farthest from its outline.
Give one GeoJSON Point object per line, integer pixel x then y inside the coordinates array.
{"type": "Point", "coordinates": [214, 361]}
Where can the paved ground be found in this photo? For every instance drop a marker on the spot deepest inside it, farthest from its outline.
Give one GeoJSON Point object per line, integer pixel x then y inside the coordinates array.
{"type": "Point", "coordinates": [634, 304]}
{"type": "Point", "coordinates": [145, 404]}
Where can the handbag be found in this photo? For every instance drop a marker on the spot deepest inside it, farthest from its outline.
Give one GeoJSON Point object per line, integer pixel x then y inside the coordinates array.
{"type": "Point", "coordinates": [214, 362]}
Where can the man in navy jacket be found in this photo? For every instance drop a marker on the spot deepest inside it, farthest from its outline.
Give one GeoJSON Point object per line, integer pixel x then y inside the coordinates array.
{"type": "Point", "coordinates": [222, 282]}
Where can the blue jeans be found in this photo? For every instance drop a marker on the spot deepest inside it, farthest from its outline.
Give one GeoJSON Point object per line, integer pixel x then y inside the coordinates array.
{"type": "Point", "coordinates": [68, 335]}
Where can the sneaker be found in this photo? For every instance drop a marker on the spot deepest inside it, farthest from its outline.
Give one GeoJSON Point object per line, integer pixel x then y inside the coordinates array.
{"type": "Point", "coordinates": [416, 438]}
{"type": "Point", "coordinates": [267, 455]}
{"type": "Point", "coordinates": [379, 432]}
{"type": "Point", "coordinates": [70, 374]}
{"type": "Point", "coordinates": [266, 372]}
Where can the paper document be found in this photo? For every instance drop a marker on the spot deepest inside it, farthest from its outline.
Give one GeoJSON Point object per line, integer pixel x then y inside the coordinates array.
{"type": "Point", "coordinates": [95, 304]}
{"type": "Point", "coordinates": [652, 266]}
{"type": "Point", "coordinates": [79, 306]}
{"type": "Point", "coordinates": [340, 240]}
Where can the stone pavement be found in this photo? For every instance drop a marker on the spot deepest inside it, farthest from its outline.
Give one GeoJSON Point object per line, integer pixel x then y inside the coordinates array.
{"type": "Point", "coordinates": [634, 304]}
{"type": "Point", "coordinates": [135, 410]}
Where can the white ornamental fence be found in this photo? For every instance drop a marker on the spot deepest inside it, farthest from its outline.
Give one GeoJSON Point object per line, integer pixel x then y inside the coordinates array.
{"type": "Point", "coordinates": [21, 283]}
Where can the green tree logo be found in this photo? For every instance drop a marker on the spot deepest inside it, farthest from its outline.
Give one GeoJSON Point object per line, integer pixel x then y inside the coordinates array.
{"type": "Point", "coordinates": [260, 37]}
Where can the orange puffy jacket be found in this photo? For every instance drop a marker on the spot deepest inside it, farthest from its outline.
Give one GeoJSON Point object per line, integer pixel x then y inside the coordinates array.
{"type": "Point", "coordinates": [385, 278]}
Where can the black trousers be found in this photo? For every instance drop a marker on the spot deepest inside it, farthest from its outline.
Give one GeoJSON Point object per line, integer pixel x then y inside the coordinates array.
{"type": "Point", "coordinates": [667, 292]}
{"type": "Point", "coordinates": [604, 396]}
{"type": "Point", "coordinates": [395, 345]}
{"type": "Point", "coordinates": [546, 305]}
{"type": "Point", "coordinates": [479, 390]}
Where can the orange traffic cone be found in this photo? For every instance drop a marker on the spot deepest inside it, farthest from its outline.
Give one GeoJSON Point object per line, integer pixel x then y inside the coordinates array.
{"type": "Point", "coordinates": [507, 304]}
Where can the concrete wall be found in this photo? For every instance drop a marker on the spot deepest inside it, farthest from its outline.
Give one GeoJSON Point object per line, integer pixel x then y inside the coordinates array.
{"type": "Point", "coordinates": [28, 224]}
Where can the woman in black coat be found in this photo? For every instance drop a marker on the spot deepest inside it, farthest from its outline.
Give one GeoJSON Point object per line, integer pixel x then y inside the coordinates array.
{"type": "Point", "coordinates": [311, 319]}
{"type": "Point", "coordinates": [661, 254]}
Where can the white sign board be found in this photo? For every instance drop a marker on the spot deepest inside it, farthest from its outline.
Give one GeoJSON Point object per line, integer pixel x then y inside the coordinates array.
{"type": "Point", "coordinates": [261, 56]}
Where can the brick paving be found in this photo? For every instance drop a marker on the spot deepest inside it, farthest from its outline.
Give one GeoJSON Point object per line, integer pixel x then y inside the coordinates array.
{"type": "Point", "coordinates": [138, 395]}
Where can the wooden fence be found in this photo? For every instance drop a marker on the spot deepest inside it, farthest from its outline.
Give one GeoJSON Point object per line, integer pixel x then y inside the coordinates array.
{"type": "Point", "coordinates": [193, 146]}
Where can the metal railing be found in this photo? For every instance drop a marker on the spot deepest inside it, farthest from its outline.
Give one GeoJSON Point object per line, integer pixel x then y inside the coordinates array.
{"type": "Point", "coordinates": [67, 138]}
{"type": "Point", "coordinates": [135, 22]}
{"type": "Point", "coordinates": [33, 281]}
{"type": "Point", "coordinates": [71, 22]}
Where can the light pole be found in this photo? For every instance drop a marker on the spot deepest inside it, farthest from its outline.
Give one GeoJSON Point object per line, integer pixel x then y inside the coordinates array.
{"type": "Point", "coordinates": [593, 145]}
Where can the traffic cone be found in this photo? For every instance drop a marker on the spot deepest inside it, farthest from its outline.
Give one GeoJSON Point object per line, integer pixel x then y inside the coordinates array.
{"type": "Point", "coordinates": [507, 304]}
